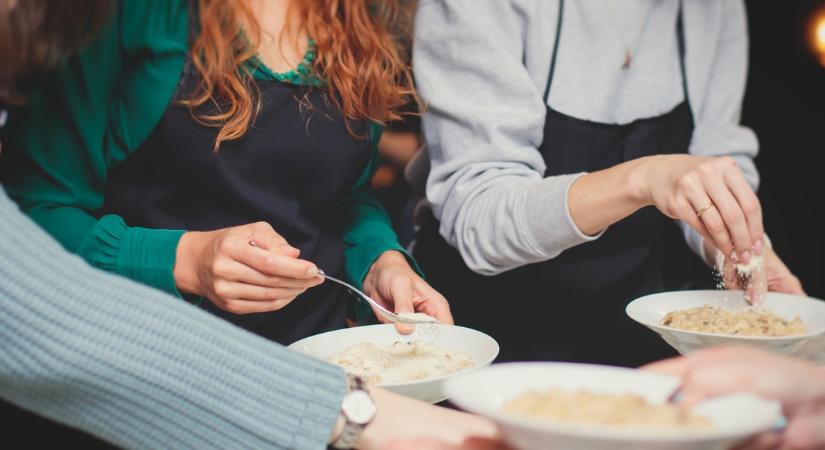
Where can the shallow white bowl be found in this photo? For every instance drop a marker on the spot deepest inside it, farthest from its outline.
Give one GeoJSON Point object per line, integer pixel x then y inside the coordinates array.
{"type": "Point", "coordinates": [480, 347]}
{"type": "Point", "coordinates": [485, 391]}
{"type": "Point", "coordinates": [651, 309]}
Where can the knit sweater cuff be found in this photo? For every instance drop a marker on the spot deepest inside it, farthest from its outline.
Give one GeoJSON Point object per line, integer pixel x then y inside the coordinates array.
{"type": "Point", "coordinates": [141, 254]}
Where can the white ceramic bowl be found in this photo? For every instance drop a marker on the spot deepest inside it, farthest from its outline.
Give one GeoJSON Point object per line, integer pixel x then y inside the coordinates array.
{"type": "Point", "coordinates": [651, 309]}
{"type": "Point", "coordinates": [484, 392]}
{"type": "Point", "coordinates": [480, 347]}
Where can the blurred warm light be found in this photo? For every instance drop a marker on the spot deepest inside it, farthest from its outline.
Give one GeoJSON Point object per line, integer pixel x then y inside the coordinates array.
{"type": "Point", "coordinates": [818, 36]}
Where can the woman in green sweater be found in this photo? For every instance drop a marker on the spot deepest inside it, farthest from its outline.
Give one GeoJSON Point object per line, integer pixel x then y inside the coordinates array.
{"type": "Point", "coordinates": [223, 150]}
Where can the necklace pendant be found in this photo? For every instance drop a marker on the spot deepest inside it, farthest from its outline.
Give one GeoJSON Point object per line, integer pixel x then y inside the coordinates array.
{"type": "Point", "coordinates": [628, 58]}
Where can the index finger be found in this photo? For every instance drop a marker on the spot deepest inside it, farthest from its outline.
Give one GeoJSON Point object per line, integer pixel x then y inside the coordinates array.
{"type": "Point", "coordinates": [749, 203]}
{"type": "Point", "coordinates": [435, 305]}
{"type": "Point", "coordinates": [275, 264]}
{"type": "Point", "coordinates": [401, 292]}
{"type": "Point", "coordinates": [735, 221]}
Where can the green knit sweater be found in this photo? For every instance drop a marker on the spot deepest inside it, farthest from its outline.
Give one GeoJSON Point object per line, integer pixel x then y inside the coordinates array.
{"type": "Point", "coordinates": [92, 114]}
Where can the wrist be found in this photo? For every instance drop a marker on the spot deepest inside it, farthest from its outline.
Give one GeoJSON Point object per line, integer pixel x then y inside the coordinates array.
{"type": "Point", "coordinates": [599, 199]}
{"type": "Point", "coordinates": [188, 253]}
{"type": "Point", "coordinates": [376, 432]}
{"type": "Point", "coordinates": [389, 257]}
{"type": "Point", "coordinates": [384, 260]}
{"type": "Point", "coordinates": [358, 412]}
{"type": "Point", "coordinates": [637, 180]}
{"type": "Point", "coordinates": [337, 429]}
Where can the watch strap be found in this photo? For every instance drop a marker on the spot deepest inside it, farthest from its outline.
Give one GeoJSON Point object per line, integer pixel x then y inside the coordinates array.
{"type": "Point", "coordinates": [352, 430]}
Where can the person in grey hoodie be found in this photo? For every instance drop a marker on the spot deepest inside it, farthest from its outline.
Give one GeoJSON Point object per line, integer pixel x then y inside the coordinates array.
{"type": "Point", "coordinates": [563, 136]}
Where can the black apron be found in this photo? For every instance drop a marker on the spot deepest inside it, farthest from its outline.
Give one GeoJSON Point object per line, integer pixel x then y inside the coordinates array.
{"type": "Point", "coordinates": [571, 308]}
{"type": "Point", "coordinates": [295, 162]}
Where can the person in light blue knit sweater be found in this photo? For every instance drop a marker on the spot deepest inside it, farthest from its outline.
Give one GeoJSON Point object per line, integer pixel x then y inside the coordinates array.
{"type": "Point", "coordinates": [138, 368]}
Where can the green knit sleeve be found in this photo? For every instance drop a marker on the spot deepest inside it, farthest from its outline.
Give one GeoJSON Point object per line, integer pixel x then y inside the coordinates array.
{"type": "Point", "coordinates": [367, 229]}
{"type": "Point", "coordinates": [86, 117]}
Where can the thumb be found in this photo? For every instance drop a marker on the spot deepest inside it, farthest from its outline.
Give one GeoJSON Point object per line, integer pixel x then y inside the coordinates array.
{"type": "Point", "coordinates": [401, 293]}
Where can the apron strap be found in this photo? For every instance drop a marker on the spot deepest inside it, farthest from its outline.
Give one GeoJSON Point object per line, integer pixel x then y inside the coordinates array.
{"type": "Point", "coordinates": [555, 52]}
{"type": "Point", "coordinates": [680, 32]}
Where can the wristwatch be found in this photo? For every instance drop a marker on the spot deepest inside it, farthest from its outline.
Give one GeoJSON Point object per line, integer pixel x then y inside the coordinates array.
{"type": "Point", "coordinates": [357, 411]}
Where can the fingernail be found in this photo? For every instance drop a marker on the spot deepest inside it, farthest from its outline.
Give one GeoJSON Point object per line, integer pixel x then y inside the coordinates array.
{"type": "Point", "coordinates": [313, 271]}
{"type": "Point", "coordinates": [746, 256]}
{"type": "Point", "coordinates": [733, 257]}
{"type": "Point", "coordinates": [757, 247]}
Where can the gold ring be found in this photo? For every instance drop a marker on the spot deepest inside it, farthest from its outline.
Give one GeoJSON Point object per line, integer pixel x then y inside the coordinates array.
{"type": "Point", "coordinates": [703, 210]}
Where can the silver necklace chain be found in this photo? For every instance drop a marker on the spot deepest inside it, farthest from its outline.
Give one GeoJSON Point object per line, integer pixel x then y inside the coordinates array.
{"type": "Point", "coordinates": [630, 46]}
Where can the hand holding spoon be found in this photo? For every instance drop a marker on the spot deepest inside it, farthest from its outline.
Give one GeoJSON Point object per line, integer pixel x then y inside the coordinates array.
{"type": "Point", "coordinates": [409, 319]}
{"type": "Point", "coordinates": [405, 318]}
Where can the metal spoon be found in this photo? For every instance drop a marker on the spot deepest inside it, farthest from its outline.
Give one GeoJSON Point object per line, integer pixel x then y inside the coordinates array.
{"type": "Point", "coordinates": [385, 313]}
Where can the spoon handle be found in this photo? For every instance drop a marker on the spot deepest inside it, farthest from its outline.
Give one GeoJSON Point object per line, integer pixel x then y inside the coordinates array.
{"type": "Point", "coordinates": [387, 314]}
{"type": "Point", "coordinates": [352, 288]}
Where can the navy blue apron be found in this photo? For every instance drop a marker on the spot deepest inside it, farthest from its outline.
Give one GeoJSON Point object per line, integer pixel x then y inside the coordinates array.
{"type": "Point", "coordinates": [295, 162]}
{"type": "Point", "coordinates": [571, 308]}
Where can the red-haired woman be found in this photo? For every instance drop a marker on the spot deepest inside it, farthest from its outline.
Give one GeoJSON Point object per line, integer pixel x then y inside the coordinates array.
{"type": "Point", "coordinates": [222, 149]}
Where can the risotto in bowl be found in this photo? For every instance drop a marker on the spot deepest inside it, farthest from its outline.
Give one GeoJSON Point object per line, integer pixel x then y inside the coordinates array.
{"type": "Point", "coordinates": [414, 365]}
{"type": "Point", "coordinates": [688, 320]}
{"type": "Point", "coordinates": [588, 407]}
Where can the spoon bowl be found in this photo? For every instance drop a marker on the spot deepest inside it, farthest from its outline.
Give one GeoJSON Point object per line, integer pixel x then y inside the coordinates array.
{"type": "Point", "coordinates": [384, 312]}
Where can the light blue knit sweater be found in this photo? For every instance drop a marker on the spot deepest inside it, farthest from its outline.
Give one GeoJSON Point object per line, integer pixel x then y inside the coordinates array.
{"type": "Point", "coordinates": [141, 369]}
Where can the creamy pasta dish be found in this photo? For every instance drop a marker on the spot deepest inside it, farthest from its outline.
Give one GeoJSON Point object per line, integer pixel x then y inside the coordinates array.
{"type": "Point", "coordinates": [612, 410]}
{"type": "Point", "coordinates": [401, 361]}
{"type": "Point", "coordinates": [748, 322]}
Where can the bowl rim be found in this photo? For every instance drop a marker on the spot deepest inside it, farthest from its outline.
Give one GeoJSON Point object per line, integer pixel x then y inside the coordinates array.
{"type": "Point", "coordinates": [597, 432]}
{"type": "Point", "coordinates": [479, 365]}
{"type": "Point", "coordinates": [812, 333]}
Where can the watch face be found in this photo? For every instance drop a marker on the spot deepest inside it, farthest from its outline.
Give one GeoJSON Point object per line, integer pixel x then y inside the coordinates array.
{"type": "Point", "coordinates": [358, 407]}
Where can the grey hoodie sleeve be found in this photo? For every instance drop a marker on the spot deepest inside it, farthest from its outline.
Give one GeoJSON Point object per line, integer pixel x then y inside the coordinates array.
{"type": "Point", "coordinates": [139, 369]}
{"type": "Point", "coordinates": [483, 124]}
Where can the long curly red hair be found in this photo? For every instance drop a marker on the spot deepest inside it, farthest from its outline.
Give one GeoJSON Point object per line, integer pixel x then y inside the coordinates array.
{"type": "Point", "coordinates": [359, 54]}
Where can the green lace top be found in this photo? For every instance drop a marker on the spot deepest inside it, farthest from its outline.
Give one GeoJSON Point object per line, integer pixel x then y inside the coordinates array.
{"type": "Point", "coordinates": [298, 75]}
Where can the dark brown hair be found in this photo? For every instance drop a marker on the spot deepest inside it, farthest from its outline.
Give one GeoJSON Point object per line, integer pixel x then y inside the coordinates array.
{"type": "Point", "coordinates": [36, 34]}
{"type": "Point", "coordinates": [359, 54]}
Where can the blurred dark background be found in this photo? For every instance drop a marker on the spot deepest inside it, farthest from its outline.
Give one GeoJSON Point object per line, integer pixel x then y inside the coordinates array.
{"type": "Point", "coordinates": [785, 105]}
